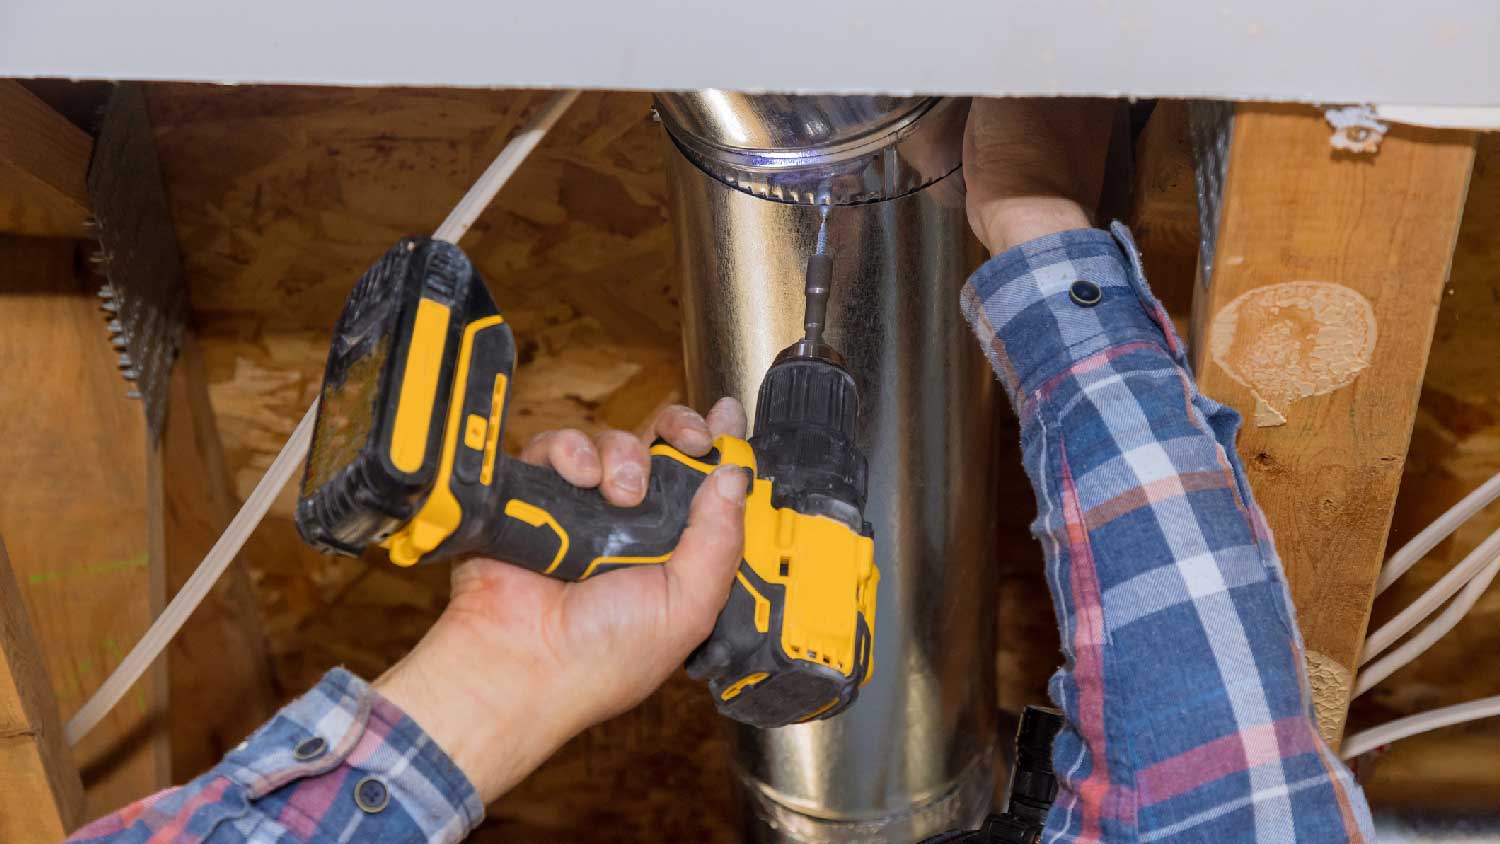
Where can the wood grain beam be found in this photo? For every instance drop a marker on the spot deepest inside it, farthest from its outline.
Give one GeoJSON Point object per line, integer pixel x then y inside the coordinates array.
{"type": "Point", "coordinates": [220, 674]}
{"type": "Point", "coordinates": [74, 513]}
{"type": "Point", "coordinates": [44, 165]}
{"type": "Point", "coordinates": [41, 797]}
{"type": "Point", "coordinates": [1316, 324]}
{"type": "Point", "coordinates": [1163, 212]}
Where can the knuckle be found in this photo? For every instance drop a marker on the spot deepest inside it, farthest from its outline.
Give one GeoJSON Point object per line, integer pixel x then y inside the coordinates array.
{"type": "Point", "coordinates": [613, 440]}
{"type": "Point", "coordinates": [684, 417]}
{"type": "Point", "coordinates": [717, 537]}
{"type": "Point", "coordinates": [573, 445]}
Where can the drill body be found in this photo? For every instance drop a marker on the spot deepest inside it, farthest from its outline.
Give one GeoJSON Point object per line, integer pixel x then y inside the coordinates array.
{"type": "Point", "coordinates": [407, 454]}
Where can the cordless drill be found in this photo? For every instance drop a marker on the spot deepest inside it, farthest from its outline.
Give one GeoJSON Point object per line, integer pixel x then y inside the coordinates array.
{"type": "Point", "coordinates": [406, 454]}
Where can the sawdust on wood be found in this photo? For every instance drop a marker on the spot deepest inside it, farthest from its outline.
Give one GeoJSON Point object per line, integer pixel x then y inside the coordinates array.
{"type": "Point", "coordinates": [1330, 684]}
{"type": "Point", "coordinates": [1293, 340]}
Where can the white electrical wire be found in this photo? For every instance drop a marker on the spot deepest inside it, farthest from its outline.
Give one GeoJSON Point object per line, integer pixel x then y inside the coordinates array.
{"type": "Point", "coordinates": [1425, 605]}
{"type": "Point", "coordinates": [1367, 740]}
{"type": "Point", "coordinates": [293, 453]}
{"type": "Point", "coordinates": [1470, 578]}
{"type": "Point", "coordinates": [1429, 635]}
{"type": "Point", "coordinates": [1440, 529]}
{"type": "Point", "coordinates": [192, 593]}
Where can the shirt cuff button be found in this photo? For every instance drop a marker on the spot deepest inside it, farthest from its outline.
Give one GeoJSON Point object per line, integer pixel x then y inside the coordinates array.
{"type": "Point", "coordinates": [1085, 293]}
{"type": "Point", "coordinates": [371, 795]}
{"type": "Point", "coordinates": [309, 749]}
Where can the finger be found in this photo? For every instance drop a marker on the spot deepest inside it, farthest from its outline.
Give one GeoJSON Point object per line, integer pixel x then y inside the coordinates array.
{"type": "Point", "coordinates": [684, 429]}
{"type": "Point", "coordinates": [569, 452]}
{"type": "Point", "coordinates": [702, 567]}
{"type": "Point", "coordinates": [727, 417]}
{"type": "Point", "coordinates": [627, 464]}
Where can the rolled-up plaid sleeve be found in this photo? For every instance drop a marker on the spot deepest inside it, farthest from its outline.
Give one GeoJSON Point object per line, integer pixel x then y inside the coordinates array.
{"type": "Point", "coordinates": [338, 764]}
{"type": "Point", "coordinates": [1184, 687]}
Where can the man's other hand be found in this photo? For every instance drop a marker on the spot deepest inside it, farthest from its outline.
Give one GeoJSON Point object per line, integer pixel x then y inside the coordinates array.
{"type": "Point", "coordinates": [1034, 167]}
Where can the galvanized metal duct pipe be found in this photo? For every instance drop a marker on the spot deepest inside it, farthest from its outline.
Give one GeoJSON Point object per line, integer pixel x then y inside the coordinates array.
{"type": "Point", "coordinates": [751, 179]}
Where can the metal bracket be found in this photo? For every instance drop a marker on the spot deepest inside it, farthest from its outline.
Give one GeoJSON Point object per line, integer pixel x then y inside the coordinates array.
{"type": "Point", "coordinates": [143, 293]}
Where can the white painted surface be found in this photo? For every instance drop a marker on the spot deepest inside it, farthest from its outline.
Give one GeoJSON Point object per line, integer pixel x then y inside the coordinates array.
{"type": "Point", "coordinates": [1420, 52]}
{"type": "Point", "coordinates": [1442, 117]}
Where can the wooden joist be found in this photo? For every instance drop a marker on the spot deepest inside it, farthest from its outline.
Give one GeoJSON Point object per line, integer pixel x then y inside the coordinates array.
{"type": "Point", "coordinates": [41, 797]}
{"type": "Point", "coordinates": [1163, 213]}
{"type": "Point", "coordinates": [75, 510]}
{"type": "Point", "coordinates": [1315, 324]}
{"type": "Point", "coordinates": [44, 163]}
{"type": "Point", "coordinates": [135, 516]}
{"type": "Point", "coordinates": [220, 674]}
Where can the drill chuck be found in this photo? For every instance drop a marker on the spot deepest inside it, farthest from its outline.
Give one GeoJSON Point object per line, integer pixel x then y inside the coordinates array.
{"type": "Point", "coordinates": [805, 418]}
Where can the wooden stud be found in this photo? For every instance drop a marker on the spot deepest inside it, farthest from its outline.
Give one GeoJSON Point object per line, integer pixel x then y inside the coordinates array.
{"type": "Point", "coordinates": [75, 512]}
{"type": "Point", "coordinates": [41, 797]}
{"type": "Point", "coordinates": [44, 164]}
{"type": "Point", "coordinates": [1163, 213]}
{"type": "Point", "coordinates": [1315, 324]}
{"type": "Point", "coordinates": [219, 672]}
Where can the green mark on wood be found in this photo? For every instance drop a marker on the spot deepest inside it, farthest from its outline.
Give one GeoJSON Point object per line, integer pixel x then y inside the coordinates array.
{"type": "Point", "coordinates": [139, 561]}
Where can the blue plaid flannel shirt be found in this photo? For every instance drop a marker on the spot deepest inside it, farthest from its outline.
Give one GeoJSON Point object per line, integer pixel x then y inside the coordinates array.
{"type": "Point", "coordinates": [1184, 689]}
{"type": "Point", "coordinates": [339, 764]}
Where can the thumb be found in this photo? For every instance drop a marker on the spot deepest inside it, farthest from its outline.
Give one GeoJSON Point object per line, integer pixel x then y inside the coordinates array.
{"type": "Point", "coordinates": [702, 567]}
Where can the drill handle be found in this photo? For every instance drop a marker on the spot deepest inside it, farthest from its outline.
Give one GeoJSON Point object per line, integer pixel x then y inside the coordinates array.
{"type": "Point", "coordinates": [485, 502]}
{"type": "Point", "coordinates": [541, 522]}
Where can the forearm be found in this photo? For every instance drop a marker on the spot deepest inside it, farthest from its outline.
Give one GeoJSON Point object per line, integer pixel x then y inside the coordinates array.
{"type": "Point", "coordinates": [1183, 684]}
{"type": "Point", "coordinates": [339, 764]}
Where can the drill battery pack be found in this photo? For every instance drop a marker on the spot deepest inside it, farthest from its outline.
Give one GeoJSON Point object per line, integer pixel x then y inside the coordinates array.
{"type": "Point", "coordinates": [386, 392]}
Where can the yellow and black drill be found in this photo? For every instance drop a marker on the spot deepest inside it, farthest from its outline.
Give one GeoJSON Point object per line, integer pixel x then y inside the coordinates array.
{"type": "Point", "coordinates": [406, 454]}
